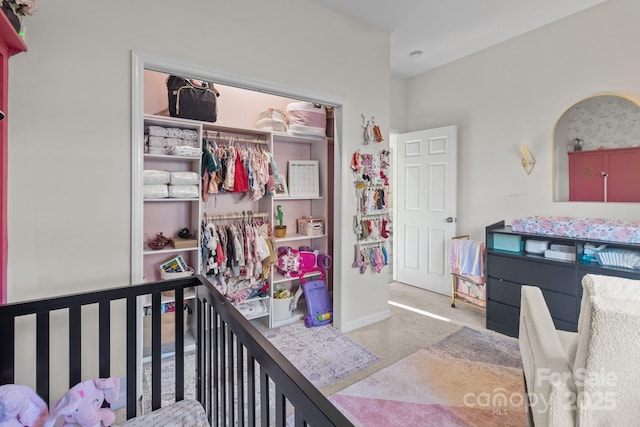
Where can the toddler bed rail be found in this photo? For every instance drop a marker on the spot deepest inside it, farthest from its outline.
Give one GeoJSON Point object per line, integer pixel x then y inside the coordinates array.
{"type": "Point", "coordinates": [237, 368]}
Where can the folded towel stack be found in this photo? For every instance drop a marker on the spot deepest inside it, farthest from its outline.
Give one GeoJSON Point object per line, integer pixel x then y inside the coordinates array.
{"type": "Point", "coordinates": [172, 141]}
{"type": "Point", "coordinates": [160, 184]}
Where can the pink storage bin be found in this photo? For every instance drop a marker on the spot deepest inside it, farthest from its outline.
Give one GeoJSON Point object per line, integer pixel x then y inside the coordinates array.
{"type": "Point", "coordinates": [306, 118]}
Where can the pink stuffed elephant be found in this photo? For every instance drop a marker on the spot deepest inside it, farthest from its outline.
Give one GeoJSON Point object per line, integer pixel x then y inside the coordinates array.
{"type": "Point", "coordinates": [21, 406]}
{"type": "Point", "coordinates": [82, 404]}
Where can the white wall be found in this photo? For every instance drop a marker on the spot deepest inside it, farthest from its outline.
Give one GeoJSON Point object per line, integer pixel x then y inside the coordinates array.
{"type": "Point", "coordinates": [70, 98]}
{"type": "Point", "coordinates": [514, 93]}
{"type": "Point", "coordinates": [399, 105]}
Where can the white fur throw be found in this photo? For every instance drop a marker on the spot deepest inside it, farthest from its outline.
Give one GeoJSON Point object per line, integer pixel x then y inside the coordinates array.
{"type": "Point", "coordinates": [608, 386]}
{"type": "Point", "coordinates": [598, 285]}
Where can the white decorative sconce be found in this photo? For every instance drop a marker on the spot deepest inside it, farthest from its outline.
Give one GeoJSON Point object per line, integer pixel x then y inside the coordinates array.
{"type": "Point", "coordinates": [528, 161]}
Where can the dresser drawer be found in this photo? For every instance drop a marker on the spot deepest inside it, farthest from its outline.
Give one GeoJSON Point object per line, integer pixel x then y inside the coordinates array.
{"type": "Point", "coordinates": [503, 291]}
{"type": "Point", "coordinates": [562, 307]}
{"type": "Point", "coordinates": [503, 318]}
{"type": "Point", "coordinates": [534, 272]}
{"type": "Point", "coordinates": [565, 326]}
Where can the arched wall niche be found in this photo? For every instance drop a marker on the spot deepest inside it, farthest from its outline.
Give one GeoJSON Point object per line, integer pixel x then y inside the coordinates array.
{"type": "Point", "coordinates": [596, 142]}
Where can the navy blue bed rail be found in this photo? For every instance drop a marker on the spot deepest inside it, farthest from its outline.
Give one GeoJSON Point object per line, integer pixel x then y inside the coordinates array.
{"type": "Point", "coordinates": [237, 368]}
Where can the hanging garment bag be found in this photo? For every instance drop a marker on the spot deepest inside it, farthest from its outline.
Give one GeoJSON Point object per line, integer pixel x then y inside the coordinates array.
{"type": "Point", "coordinates": [192, 99]}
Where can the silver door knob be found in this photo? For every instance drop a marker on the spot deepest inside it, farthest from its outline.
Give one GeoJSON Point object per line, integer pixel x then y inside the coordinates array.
{"type": "Point", "coordinates": [450, 219]}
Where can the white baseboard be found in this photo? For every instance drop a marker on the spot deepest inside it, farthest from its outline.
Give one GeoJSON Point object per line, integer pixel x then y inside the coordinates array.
{"type": "Point", "coordinates": [365, 321]}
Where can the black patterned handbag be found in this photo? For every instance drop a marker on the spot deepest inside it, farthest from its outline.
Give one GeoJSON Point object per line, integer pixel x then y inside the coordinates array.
{"type": "Point", "coordinates": [192, 99]}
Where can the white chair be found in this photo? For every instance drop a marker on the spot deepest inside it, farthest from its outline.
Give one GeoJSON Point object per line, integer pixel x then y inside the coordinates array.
{"type": "Point", "coordinates": [588, 378]}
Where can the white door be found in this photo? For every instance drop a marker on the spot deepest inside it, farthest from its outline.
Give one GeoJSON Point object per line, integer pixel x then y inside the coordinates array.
{"type": "Point", "coordinates": [426, 212]}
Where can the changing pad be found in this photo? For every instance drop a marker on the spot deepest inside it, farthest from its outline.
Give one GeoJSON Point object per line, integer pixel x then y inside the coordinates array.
{"type": "Point", "coordinates": [609, 230]}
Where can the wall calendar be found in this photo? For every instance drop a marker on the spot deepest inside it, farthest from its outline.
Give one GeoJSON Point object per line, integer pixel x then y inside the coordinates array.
{"type": "Point", "coordinates": [304, 178]}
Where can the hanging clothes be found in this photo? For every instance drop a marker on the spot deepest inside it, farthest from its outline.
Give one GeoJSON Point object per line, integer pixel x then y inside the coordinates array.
{"type": "Point", "coordinates": [371, 256]}
{"type": "Point", "coordinates": [237, 257]}
{"type": "Point", "coordinates": [241, 178]}
{"type": "Point", "coordinates": [237, 168]}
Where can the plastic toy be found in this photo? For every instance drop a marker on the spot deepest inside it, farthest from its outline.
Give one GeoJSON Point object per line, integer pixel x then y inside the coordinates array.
{"type": "Point", "coordinates": [21, 406]}
{"type": "Point", "coordinates": [292, 262]}
{"type": "Point", "coordinates": [319, 311]}
{"type": "Point", "coordinates": [82, 404]}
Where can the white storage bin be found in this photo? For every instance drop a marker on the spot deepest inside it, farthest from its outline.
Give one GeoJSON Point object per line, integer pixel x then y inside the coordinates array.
{"type": "Point", "coordinates": [165, 275]}
{"type": "Point", "coordinates": [184, 178]}
{"type": "Point", "coordinates": [533, 246]}
{"type": "Point", "coordinates": [155, 191]}
{"type": "Point", "coordinates": [153, 176]}
{"type": "Point", "coordinates": [561, 255]}
{"type": "Point", "coordinates": [281, 308]}
{"type": "Point", "coordinates": [184, 191]}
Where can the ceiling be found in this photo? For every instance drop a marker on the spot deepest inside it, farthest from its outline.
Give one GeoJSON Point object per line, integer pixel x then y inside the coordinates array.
{"type": "Point", "coordinates": [446, 30]}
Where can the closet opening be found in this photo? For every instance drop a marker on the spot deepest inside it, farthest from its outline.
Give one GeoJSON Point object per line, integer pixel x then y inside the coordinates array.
{"type": "Point", "coordinates": [240, 104]}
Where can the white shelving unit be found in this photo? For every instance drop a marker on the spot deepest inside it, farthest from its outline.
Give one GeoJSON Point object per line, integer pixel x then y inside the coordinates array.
{"type": "Point", "coordinates": [166, 215]}
{"type": "Point", "coordinates": [230, 203]}
{"type": "Point", "coordinates": [151, 216]}
{"type": "Point", "coordinates": [287, 148]}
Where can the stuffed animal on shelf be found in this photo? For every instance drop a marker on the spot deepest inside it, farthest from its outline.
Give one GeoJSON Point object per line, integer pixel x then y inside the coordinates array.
{"type": "Point", "coordinates": [21, 406]}
{"type": "Point", "coordinates": [82, 404]}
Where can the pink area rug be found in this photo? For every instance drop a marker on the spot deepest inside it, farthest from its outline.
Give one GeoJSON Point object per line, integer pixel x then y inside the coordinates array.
{"type": "Point", "coordinates": [467, 379]}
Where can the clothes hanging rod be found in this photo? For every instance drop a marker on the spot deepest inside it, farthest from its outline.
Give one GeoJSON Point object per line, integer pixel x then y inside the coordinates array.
{"type": "Point", "coordinates": [208, 134]}
{"type": "Point", "coordinates": [376, 215]}
{"type": "Point", "coordinates": [237, 215]}
{"type": "Point", "coordinates": [376, 243]}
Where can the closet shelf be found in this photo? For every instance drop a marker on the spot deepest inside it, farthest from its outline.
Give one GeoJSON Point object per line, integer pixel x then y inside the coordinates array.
{"type": "Point", "coordinates": [299, 198]}
{"type": "Point", "coordinates": [173, 199]}
{"type": "Point", "coordinates": [280, 278]}
{"type": "Point", "coordinates": [296, 316]}
{"type": "Point", "coordinates": [252, 300]}
{"type": "Point", "coordinates": [169, 250]}
{"type": "Point", "coordinates": [189, 345]}
{"type": "Point", "coordinates": [188, 294]}
{"type": "Point", "coordinates": [170, 157]}
{"type": "Point", "coordinates": [257, 316]}
{"type": "Point", "coordinates": [299, 139]}
{"type": "Point", "coordinates": [294, 236]}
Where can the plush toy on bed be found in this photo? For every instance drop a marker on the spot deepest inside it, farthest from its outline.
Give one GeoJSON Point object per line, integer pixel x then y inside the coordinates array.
{"type": "Point", "coordinates": [21, 406]}
{"type": "Point", "coordinates": [82, 404]}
